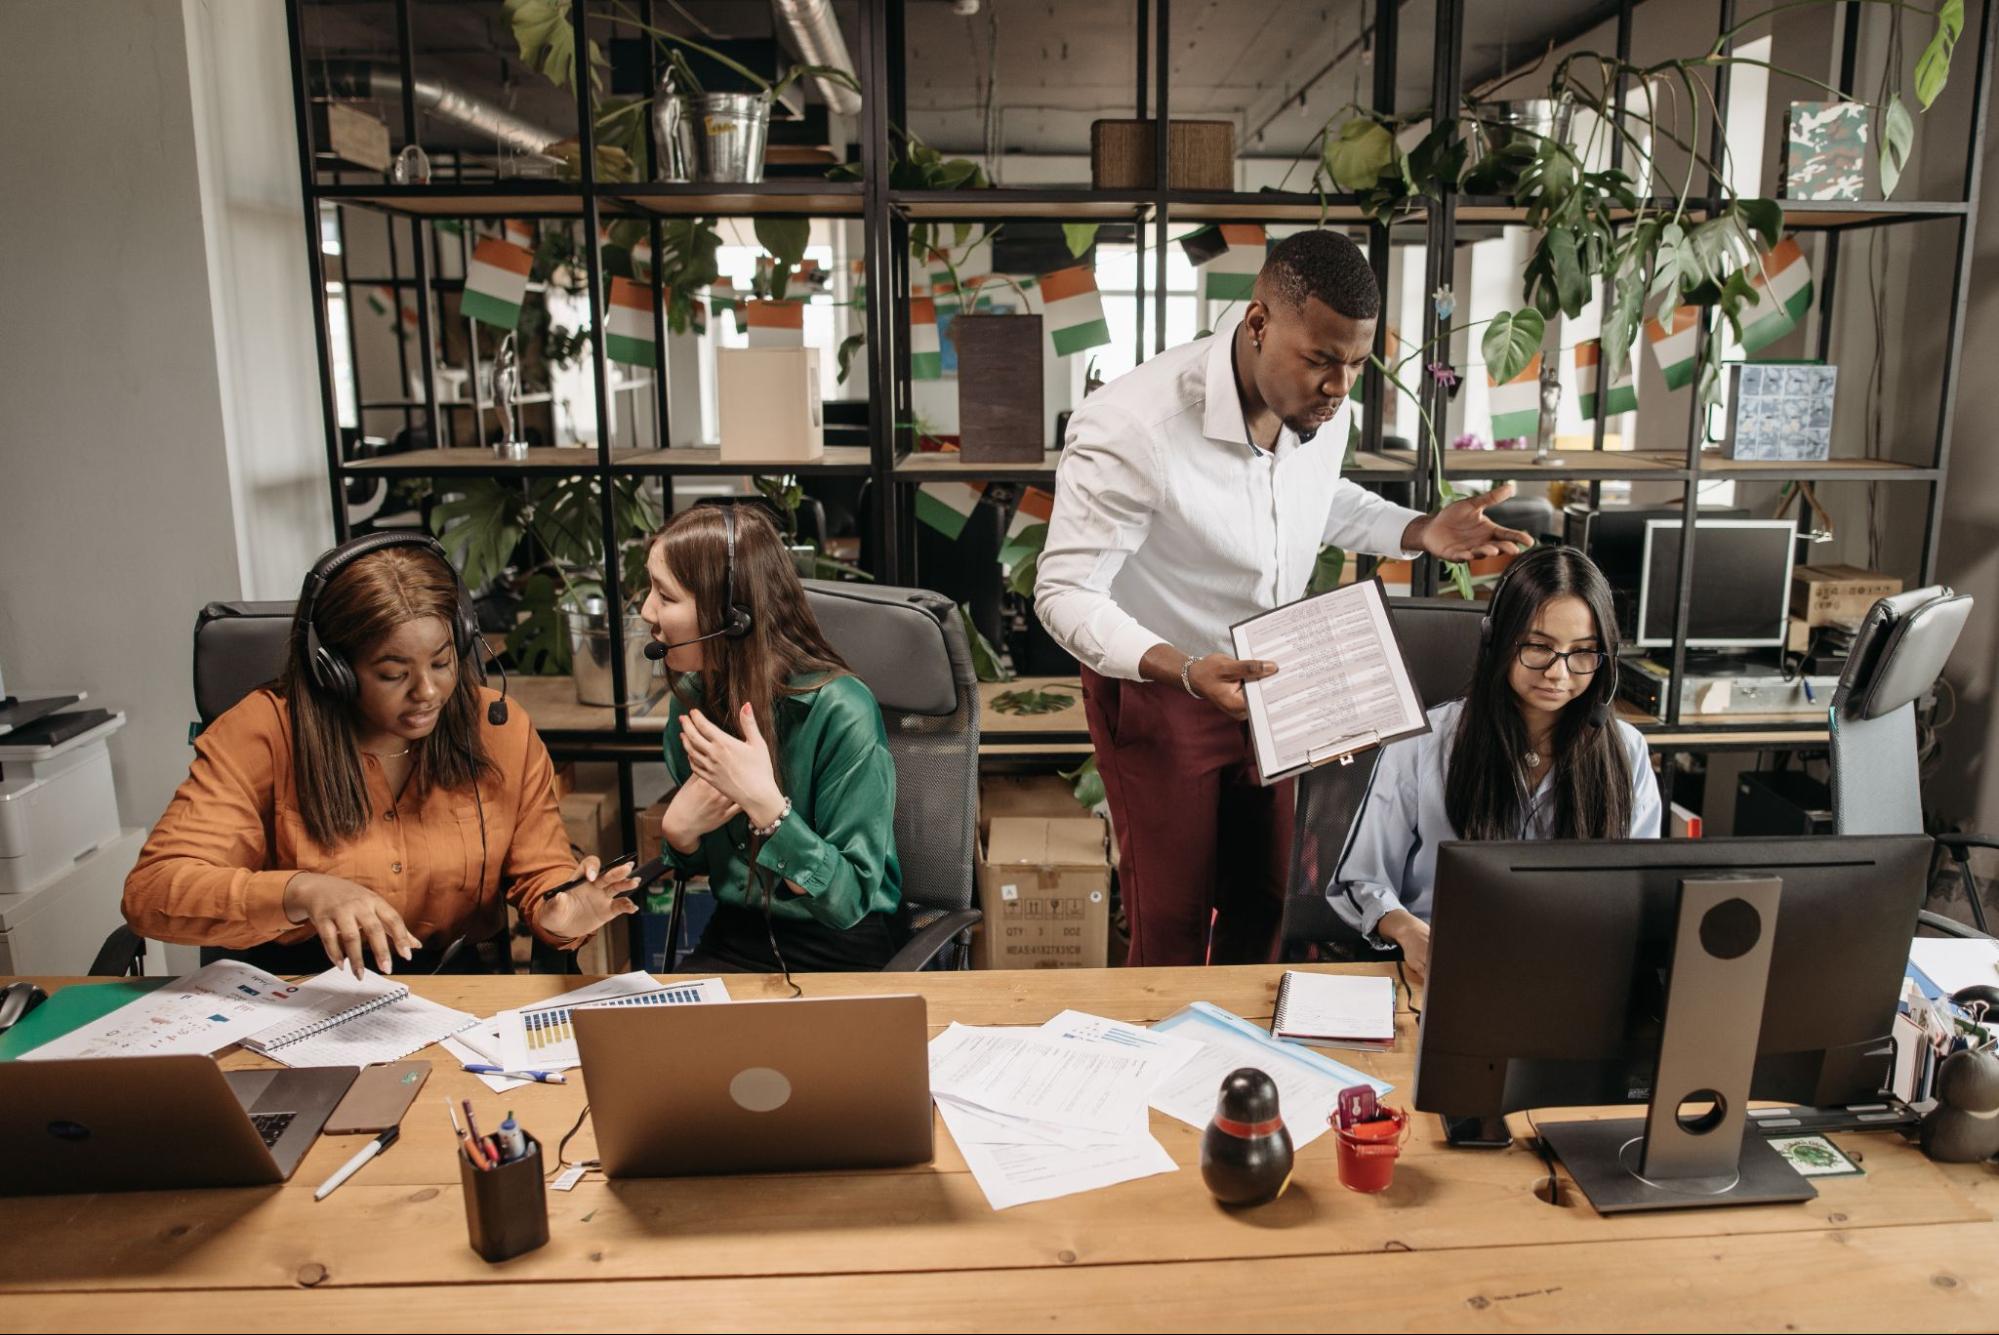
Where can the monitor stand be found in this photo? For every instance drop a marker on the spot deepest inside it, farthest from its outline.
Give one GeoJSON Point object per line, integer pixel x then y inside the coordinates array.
{"type": "Point", "coordinates": [1707, 1054]}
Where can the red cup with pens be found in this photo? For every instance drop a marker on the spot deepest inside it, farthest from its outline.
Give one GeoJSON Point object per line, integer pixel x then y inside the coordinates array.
{"type": "Point", "coordinates": [506, 1204]}
{"type": "Point", "coordinates": [1370, 1135]}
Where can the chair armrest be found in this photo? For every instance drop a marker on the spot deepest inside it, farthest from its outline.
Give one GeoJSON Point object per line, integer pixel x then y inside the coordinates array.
{"type": "Point", "coordinates": [1949, 926]}
{"type": "Point", "coordinates": [923, 947]}
{"type": "Point", "coordinates": [1959, 842]}
{"type": "Point", "coordinates": [119, 955]}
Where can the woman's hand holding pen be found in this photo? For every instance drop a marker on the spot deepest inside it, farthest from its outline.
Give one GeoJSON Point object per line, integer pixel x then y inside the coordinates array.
{"type": "Point", "coordinates": [594, 901]}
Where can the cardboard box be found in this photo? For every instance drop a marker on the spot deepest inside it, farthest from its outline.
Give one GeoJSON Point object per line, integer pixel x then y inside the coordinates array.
{"type": "Point", "coordinates": [1044, 887]}
{"type": "Point", "coordinates": [649, 835]}
{"type": "Point", "coordinates": [1837, 595]}
{"type": "Point", "coordinates": [1049, 796]}
{"type": "Point", "coordinates": [770, 406]}
{"type": "Point", "coordinates": [592, 822]}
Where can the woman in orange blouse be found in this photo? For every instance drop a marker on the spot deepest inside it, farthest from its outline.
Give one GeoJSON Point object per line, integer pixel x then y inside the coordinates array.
{"type": "Point", "coordinates": [373, 800]}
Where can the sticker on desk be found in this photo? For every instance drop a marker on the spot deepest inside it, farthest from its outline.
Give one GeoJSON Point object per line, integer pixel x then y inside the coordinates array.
{"type": "Point", "coordinates": [567, 1179]}
{"type": "Point", "coordinates": [1815, 1156]}
{"type": "Point", "coordinates": [1009, 892]}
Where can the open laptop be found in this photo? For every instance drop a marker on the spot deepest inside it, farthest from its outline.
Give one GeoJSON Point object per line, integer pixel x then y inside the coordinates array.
{"type": "Point", "coordinates": [758, 1086]}
{"type": "Point", "coordinates": [138, 1123]}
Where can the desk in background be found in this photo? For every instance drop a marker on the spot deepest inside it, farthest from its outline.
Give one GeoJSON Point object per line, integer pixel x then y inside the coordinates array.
{"type": "Point", "coordinates": [1459, 1241]}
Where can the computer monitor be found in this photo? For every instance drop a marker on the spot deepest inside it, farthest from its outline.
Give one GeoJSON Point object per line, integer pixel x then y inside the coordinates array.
{"type": "Point", "coordinates": [1741, 590]}
{"type": "Point", "coordinates": [1569, 974]}
{"type": "Point", "coordinates": [1614, 538]}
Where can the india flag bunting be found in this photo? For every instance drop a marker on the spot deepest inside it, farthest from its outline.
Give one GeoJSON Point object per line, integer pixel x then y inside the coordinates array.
{"type": "Point", "coordinates": [1516, 405]}
{"type": "Point", "coordinates": [1783, 284]}
{"type": "Point", "coordinates": [777, 324]}
{"type": "Point", "coordinates": [1073, 310]}
{"type": "Point", "coordinates": [521, 232]}
{"type": "Point", "coordinates": [722, 297]}
{"type": "Point", "coordinates": [1674, 348]}
{"type": "Point", "coordinates": [948, 506]}
{"type": "Point", "coordinates": [495, 282]}
{"type": "Point", "coordinates": [1033, 512]}
{"type": "Point", "coordinates": [382, 304]}
{"type": "Point", "coordinates": [628, 325]}
{"type": "Point", "coordinates": [1589, 365]}
{"type": "Point", "coordinates": [1231, 275]}
{"type": "Point", "coordinates": [926, 355]}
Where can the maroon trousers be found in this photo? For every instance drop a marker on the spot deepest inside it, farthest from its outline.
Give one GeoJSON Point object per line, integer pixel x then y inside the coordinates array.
{"type": "Point", "coordinates": [1199, 838]}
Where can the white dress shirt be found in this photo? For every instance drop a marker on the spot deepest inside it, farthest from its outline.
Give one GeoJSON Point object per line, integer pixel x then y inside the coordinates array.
{"type": "Point", "coordinates": [1390, 860]}
{"type": "Point", "coordinates": [1170, 526]}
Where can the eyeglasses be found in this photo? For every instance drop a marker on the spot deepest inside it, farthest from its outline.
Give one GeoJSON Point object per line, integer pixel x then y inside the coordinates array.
{"type": "Point", "coordinates": [1539, 658]}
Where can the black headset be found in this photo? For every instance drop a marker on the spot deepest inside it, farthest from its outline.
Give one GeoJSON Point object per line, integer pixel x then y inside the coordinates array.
{"type": "Point", "coordinates": [330, 671]}
{"type": "Point", "coordinates": [328, 667]}
{"type": "Point", "coordinates": [1602, 687]}
{"type": "Point", "coordinates": [737, 621]}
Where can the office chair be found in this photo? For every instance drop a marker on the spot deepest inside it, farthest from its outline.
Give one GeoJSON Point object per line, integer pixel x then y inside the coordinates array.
{"type": "Point", "coordinates": [1898, 654]}
{"type": "Point", "coordinates": [1440, 637]}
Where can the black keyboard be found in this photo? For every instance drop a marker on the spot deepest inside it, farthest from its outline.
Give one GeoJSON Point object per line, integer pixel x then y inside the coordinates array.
{"type": "Point", "coordinates": [271, 1126]}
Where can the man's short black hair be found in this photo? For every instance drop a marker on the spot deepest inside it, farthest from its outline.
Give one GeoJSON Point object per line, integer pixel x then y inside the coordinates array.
{"type": "Point", "coordinates": [1325, 265]}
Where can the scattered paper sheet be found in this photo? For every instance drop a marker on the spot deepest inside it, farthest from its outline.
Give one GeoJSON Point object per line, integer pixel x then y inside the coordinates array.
{"type": "Point", "coordinates": [1012, 1175]}
{"type": "Point", "coordinates": [1308, 1085]}
{"type": "Point", "coordinates": [1025, 1073]}
{"type": "Point", "coordinates": [541, 1038]}
{"type": "Point", "coordinates": [219, 1005]}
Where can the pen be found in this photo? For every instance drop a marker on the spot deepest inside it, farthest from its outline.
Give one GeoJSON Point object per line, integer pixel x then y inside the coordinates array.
{"type": "Point", "coordinates": [567, 886]}
{"type": "Point", "coordinates": [353, 1165]}
{"type": "Point", "coordinates": [472, 1126]}
{"type": "Point", "coordinates": [465, 1142]}
{"type": "Point", "coordinates": [543, 1077]}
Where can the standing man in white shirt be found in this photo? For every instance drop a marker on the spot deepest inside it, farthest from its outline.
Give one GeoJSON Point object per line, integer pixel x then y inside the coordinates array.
{"type": "Point", "coordinates": [1192, 493]}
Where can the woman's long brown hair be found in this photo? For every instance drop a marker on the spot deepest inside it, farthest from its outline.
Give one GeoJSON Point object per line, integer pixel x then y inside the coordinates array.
{"type": "Point", "coordinates": [364, 602]}
{"type": "Point", "coordinates": [784, 640]}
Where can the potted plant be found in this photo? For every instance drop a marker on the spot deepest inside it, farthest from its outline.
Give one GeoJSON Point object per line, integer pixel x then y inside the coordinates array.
{"type": "Point", "coordinates": [1593, 226]}
{"type": "Point", "coordinates": [562, 625]}
{"type": "Point", "coordinates": [729, 146]}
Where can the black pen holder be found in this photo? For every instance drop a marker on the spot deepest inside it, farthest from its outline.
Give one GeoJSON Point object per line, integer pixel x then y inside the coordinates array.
{"type": "Point", "coordinates": [506, 1208]}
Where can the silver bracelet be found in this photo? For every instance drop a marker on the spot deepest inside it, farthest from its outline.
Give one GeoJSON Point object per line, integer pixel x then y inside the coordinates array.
{"type": "Point", "coordinates": [1187, 677]}
{"type": "Point", "coordinates": [766, 831]}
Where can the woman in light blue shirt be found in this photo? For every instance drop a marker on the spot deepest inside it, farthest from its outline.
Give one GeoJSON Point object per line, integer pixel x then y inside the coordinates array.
{"type": "Point", "coordinates": [1530, 752]}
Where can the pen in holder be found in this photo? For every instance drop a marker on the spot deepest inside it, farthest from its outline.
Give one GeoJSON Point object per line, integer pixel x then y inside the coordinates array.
{"type": "Point", "coordinates": [506, 1207]}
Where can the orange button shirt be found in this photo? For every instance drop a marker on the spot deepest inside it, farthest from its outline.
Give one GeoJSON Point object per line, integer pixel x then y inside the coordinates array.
{"type": "Point", "coordinates": [214, 870]}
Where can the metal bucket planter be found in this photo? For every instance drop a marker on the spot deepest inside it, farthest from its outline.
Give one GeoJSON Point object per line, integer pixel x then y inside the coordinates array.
{"type": "Point", "coordinates": [590, 656]}
{"type": "Point", "coordinates": [711, 137]}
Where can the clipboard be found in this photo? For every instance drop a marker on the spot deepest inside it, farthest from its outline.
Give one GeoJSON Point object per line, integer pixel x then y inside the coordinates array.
{"type": "Point", "coordinates": [1411, 719]}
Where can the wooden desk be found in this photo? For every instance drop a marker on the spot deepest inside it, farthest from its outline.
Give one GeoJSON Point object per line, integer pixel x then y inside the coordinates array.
{"type": "Point", "coordinates": [1459, 1242]}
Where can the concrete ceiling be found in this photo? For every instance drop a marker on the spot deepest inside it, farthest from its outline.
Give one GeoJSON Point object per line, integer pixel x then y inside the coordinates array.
{"type": "Point", "coordinates": [1044, 69]}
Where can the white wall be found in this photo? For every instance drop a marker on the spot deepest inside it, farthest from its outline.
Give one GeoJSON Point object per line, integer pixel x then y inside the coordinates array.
{"type": "Point", "coordinates": [246, 145]}
{"type": "Point", "coordinates": [116, 519]}
{"type": "Point", "coordinates": [158, 437]}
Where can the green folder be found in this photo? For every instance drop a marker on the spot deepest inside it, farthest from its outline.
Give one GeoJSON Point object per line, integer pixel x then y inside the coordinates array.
{"type": "Point", "coordinates": [71, 1008]}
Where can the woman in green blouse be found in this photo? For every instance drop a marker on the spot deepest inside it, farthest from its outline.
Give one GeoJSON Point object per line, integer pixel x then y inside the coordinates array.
{"type": "Point", "coordinates": [799, 850]}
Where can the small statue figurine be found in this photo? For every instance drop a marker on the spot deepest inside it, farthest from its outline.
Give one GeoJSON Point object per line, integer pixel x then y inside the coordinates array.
{"type": "Point", "coordinates": [506, 397]}
{"type": "Point", "coordinates": [1964, 1126]}
{"type": "Point", "coordinates": [1246, 1150]}
{"type": "Point", "coordinates": [1551, 402]}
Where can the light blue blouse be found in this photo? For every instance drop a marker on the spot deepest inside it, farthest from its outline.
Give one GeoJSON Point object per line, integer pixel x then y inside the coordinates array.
{"type": "Point", "coordinates": [1391, 859]}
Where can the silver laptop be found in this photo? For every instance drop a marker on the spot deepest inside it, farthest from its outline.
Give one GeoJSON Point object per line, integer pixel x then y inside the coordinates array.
{"type": "Point", "coordinates": [139, 1123]}
{"type": "Point", "coordinates": [758, 1086]}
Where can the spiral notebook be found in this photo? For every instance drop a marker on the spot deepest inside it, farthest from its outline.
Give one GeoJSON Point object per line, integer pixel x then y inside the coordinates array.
{"type": "Point", "coordinates": [1336, 1010]}
{"type": "Point", "coordinates": [340, 1020]}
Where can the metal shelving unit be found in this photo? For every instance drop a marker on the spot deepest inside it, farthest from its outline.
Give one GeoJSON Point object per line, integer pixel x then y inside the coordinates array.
{"type": "Point", "coordinates": [885, 217]}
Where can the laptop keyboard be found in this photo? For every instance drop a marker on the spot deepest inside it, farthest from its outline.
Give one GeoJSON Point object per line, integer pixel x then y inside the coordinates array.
{"type": "Point", "coordinates": [271, 1126]}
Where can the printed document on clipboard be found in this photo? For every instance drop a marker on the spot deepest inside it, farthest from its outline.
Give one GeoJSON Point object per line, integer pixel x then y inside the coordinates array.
{"type": "Point", "coordinates": [1342, 684]}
